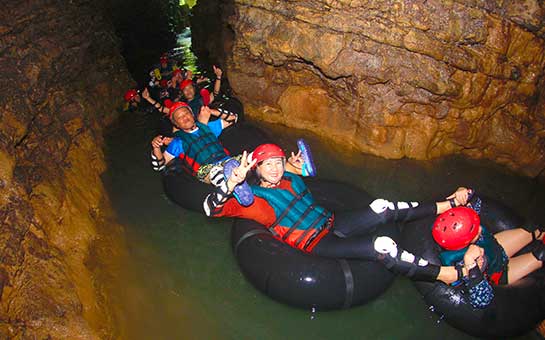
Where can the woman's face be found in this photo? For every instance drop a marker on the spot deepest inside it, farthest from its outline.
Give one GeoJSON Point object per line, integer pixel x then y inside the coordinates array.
{"type": "Point", "coordinates": [271, 170]}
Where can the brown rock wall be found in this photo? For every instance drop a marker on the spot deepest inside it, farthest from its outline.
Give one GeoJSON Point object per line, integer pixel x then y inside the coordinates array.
{"type": "Point", "coordinates": [399, 78]}
{"type": "Point", "coordinates": [62, 77]}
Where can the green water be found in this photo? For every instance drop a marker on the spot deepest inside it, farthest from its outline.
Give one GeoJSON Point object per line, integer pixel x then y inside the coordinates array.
{"type": "Point", "coordinates": [181, 280]}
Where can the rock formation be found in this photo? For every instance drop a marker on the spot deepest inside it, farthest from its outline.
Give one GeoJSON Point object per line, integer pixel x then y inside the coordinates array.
{"type": "Point", "coordinates": [62, 76]}
{"type": "Point", "coordinates": [399, 78]}
{"type": "Point", "coordinates": [211, 35]}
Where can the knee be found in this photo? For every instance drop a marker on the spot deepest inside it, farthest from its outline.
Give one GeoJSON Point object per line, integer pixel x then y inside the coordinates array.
{"type": "Point", "coordinates": [385, 245]}
{"type": "Point", "coordinates": [380, 205]}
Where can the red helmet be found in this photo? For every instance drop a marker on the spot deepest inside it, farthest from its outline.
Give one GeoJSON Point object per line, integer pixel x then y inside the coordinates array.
{"type": "Point", "coordinates": [163, 59]}
{"type": "Point", "coordinates": [168, 103]}
{"type": "Point", "coordinates": [176, 106]}
{"type": "Point", "coordinates": [266, 151]}
{"type": "Point", "coordinates": [185, 83]}
{"type": "Point", "coordinates": [456, 228]}
{"type": "Point", "coordinates": [163, 83]}
{"type": "Point", "coordinates": [130, 94]}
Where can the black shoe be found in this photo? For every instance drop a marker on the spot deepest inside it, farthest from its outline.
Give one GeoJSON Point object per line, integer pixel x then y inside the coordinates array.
{"type": "Point", "coordinates": [539, 251]}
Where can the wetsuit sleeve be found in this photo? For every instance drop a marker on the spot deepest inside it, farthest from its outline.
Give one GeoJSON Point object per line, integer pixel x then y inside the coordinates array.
{"type": "Point", "coordinates": [214, 202]}
{"type": "Point", "coordinates": [157, 164]}
{"type": "Point", "coordinates": [216, 127]}
{"type": "Point", "coordinates": [479, 289]}
{"type": "Point", "coordinates": [227, 117]}
{"type": "Point", "coordinates": [175, 148]}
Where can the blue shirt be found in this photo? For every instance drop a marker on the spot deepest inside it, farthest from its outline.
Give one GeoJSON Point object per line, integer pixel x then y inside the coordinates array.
{"type": "Point", "coordinates": [176, 147]}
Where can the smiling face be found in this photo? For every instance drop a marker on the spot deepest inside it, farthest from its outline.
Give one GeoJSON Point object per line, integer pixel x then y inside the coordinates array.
{"type": "Point", "coordinates": [183, 119]}
{"type": "Point", "coordinates": [271, 170]}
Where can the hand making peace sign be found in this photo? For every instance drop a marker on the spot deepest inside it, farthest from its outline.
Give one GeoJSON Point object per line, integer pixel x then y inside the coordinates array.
{"type": "Point", "coordinates": [239, 173]}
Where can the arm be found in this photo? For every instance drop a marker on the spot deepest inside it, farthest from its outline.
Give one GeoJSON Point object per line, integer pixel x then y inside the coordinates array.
{"type": "Point", "coordinates": [158, 158]}
{"type": "Point", "coordinates": [459, 197]}
{"type": "Point", "coordinates": [223, 189]}
{"type": "Point", "coordinates": [204, 115]}
{"type": "Point", "coordinates": [217, 83]}
{"type": "Point", "coordinates": [156, 104]}
{"type": "Point", "coordinates": [480, 292]}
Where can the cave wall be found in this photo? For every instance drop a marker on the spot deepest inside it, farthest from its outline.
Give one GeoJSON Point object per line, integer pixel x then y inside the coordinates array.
{"type": "Point", "coordinates": [62, 79]}
{"type": "Point", "coordinates": [398, 78]}
{"type": "Point", "coordinates": [212, 37]}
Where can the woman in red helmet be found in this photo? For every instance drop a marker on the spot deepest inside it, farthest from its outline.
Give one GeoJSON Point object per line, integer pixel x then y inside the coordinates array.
{"type": "Point", "coordinates": [284, 205]}
{"type": "Point", "coordinates": [475, 257]}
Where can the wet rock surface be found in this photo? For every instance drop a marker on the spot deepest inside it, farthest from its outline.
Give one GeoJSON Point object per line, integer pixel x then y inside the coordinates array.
{"type": "Point", "coordinates": [211, 35]}
{"type": "Point", "coordinates": [399, 78]}
{"type": "Point", "coordinates": [62, 77]}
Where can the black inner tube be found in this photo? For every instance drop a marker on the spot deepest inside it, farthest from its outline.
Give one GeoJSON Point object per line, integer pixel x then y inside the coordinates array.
{"type": "Point", "coordinates": [308, 281]}
{"type": "Point", "coordinates": [516, 308]}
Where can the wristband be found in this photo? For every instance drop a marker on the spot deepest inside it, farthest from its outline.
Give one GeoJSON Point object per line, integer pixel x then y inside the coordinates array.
{"type": "Point", "coordinates": [471, 266]}
{"type": "Point", "coordinates": [459, 271]}
{"type": "Point", "coordinates": [452, 203]}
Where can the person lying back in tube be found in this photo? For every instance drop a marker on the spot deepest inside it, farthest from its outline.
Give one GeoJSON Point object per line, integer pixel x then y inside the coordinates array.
{"type": "Point", "coordinates": [284, 205]}
{"type": "Point", "coordinates": [472, 256]}
{"type": "Point", "coordinates": [162, 71]}
{"type": "Point", "coordinates": [197, 146]}
{"type": "Point", "coordinates": [133, 98]}
{"type": "Point", "coordinates": [197, 99]}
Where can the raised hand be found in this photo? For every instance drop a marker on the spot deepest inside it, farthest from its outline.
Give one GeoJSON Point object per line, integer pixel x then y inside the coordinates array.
{"type": "Point", "coordinates": [157, 142]}
{"type": "Point", "coordinates": [239, 173]}
{"type": "Point", "coordinates": [296, 160]}
{"type": "Point", "coordinates": [217, 71]}
{"type": "Point", "coordinates": [461, 195]}
{"type": "Point", "coordinates": [474, 254]}
{"type": "Point", "coordinates": [145, 94]}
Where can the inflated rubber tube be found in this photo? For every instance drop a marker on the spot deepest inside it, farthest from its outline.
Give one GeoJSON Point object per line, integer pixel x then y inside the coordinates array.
{"type": "Point", "coordinates": [515, 308]}
{"type": "Point", "coordinates": [303, 280]}
{"type": "Point", "coordinates": [189, 193]}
